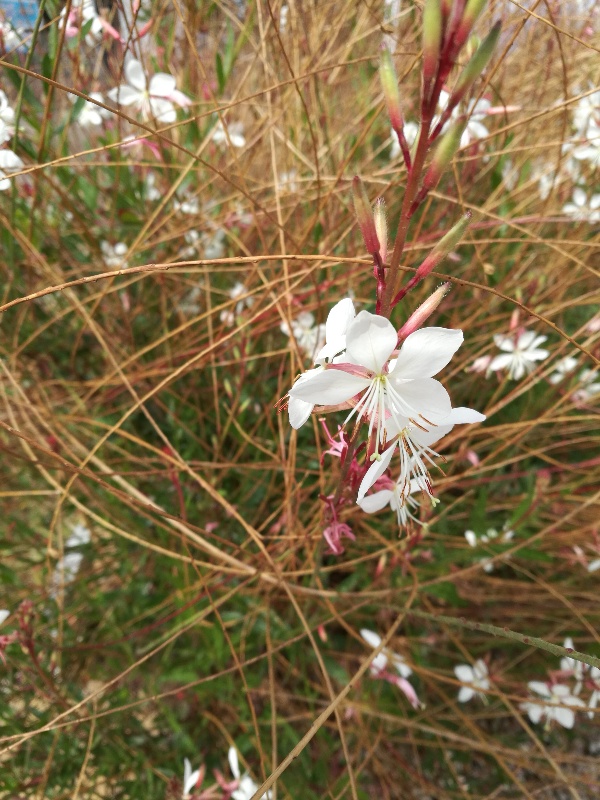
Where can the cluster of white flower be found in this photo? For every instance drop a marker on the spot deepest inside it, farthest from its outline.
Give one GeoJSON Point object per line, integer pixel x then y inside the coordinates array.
{"type": "Point", "coordinates": [242, 787]}
{"type": "Point", "coordinates": [113, 255]}
{"type": "Point", "coordinates": [391, 389]}
{"type": "Point", "coordinates": [68, 566]}
{"type": "Point", "coordinates": [490, 536]}
{"type": "Point", "coordinates": [559, 702]}
{"type": "Point", "coordinates": [309, 337]}
{"type": "Point", "coordinates": [9, 161]}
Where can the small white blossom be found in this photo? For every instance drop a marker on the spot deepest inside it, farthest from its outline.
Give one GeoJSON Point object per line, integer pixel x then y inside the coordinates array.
{"type": "Point", "coordinates": [309, 337]}
{"type": "Point", "coordinates": [228, 315]}
{"type": "Point", "coordinates": [582, 209]}
{"type": "Point", "coordinates": [563, 368]}
{"type": "Point", "coordinates": [555, 703]}
{"type": "Point", "coordinates": [190, 779]}
{"type": "Point", "coordinates": [590, 386]}
{"type": "Point", "coordinates": [235, 134]}
{"type": "Point", "coordinates": [90, 114]}
{"type": "Point", "coordinates": [9, 162]}
{"type": "Point", "coordinates": [387, 656]}
{"type": "Point", "coordinates": [520, 353]}
{"type": "Point", "coordinates": [4, 615]}
{"type": "Point", "coordinates": [154, 98]}
{"type": "Point", "coordinates": [594, 698]}
{"type": "Point", "coordinates": [477, 678]}
{"type": "Point", "coordinates": [80, 14]}
{"type": "Point", "coordinates": [114, 255]}
{"type": "Point", "coordinates": [7, 119]}
{"type": "Point", "coordinates": [246, 787]}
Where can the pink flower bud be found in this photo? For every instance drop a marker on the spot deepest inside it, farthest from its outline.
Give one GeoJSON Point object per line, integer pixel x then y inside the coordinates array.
{"type": "Point", "coordinates": [381, 227]}
{"type": "Point", "coordinates": [364, 215]}
{"type": "Point", "coordinates": [423, 312]}
{"type": "Point", "coordinates": [472, 11]}
{"type": "Point", "coordinates": [444, 246]}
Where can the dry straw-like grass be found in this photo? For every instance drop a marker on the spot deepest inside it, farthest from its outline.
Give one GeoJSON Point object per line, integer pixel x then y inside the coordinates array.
{"type": "Point", "coordinates": [205, 611]}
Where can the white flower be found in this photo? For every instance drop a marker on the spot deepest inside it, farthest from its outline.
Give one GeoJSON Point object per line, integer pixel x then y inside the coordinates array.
{"type": "Point", "coordinates": [190, 779]}
{"type": "Point", "coordinates": [4, 615]}
{"type": "Point", "coordinates": [407, 390]}
{"type": "Point", "coordinates": [7, 119]}
{"type": "Point", "coordinates": [581, 209]}
{"type": "Point", "coordinates": [80, 534]}
{"type": "Point", "coordinates": [563, 368]}
{"type": "Point", "coordinates": [235, 132]}
{"type": "Point", "coordinates": [246, 786]}
{"type": "Point", "coordinates": [152, 192]}
{"type": "Point", "coordinates": [189, 205]}
{"type": "Point", "coordinates": [380, 662]}
{"type": "Point", "coordinates": [309, 337]}
{"type": "Point", "coordinates": [552, 704]}
{"type": "Point", "coordinates": [520, 353]}
{"type": "Point", "coordinates": [398, 498]}
{"type": "Point", "coordinates": [595, 695]}
{"type": "Point", "coordinates": [227, 315]}
{"type": "Point", "coordinates": [114, 255]}
{"type": "Point", "coordinates": [589, 388]}
{"type": "Point", "coordinates": [9, 162]}
{"type": "Point", "coordinates": [475, 112]}
{"type": "Point", "coordinates": [152, 98]}
{"type": "Point", "coordinates": [90, 114]}
{"type": "Point", "coordinates": [81, 12]}
{"type": "Point", "coordinates": [586, 117]}
{"type": "Point", "coordinates": [571, 665]}
{"type": "Point", "coordinates": [414, 445]}
{"type": "Point", "coordinates": [477, 678]}
{"type": "Point", "coordinates": [10, 37]}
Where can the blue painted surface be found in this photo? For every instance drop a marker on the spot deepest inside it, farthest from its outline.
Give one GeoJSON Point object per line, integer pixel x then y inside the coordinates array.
{"type": "Point", "coordinates": [21, 14]}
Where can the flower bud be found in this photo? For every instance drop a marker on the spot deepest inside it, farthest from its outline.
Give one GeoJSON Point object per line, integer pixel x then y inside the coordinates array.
{"type": "Point", "coordinates": [381, 227]}
{"type": "Point", "coordinates": [476, 65]}
{"type": "Point", "coordinates": [432, 39]}
{"type": "Point", "coordinates": [444, 153]}
{"type": "Point", "coordinates": [389, 83]}
{"type": "Point", "coordinates": [443, 247]}
{"type": "Point", "coordinates": [423, 312]}
{"type": "Point", "coordinates": [365, 216]}
{"type": "Point", "coordinates": [472, 10]}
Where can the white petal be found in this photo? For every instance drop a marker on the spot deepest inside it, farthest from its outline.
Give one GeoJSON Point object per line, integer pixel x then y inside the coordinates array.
{"type": "Point", "coordinates": [501, 362]}
{"type": "Point", "coordinates": [425, 399]}
{"type": "Point", "coordinates": [10, 161]}
{"type": "Point", "coordinates": [370, 341]}
{"type": "Point", "coordinates": [471, 538]}
{"type": "Point", "coordinates": [480, 670]}
{"type": "Point", "coordinates": [463, 416]}
{"type": "Point", "coordinates": [233, 762]}
{"type": "Point", "coordinates": [374, 472]}
{"type": "Point", "coordinates": [465, 694]}
{"type": "Point", "coordinates": [134, 75]}
{"type": "Point", "coordinates": [4, 615]}
{"type": "Point", "coordinates": [375, 502]}
{"type": "Point", "coordinates": [565, 717]}
{"type": "Point", "coordinates": [124, 95]}
{"type": "Point", "coordinates": [534, 712]}
{"type": "Point", "coordinates": [299, 411]}
{"type": "Point", "coordinates": [162, 84]}
{"type": "Point", "coordinates": [464, 673]}
{"type": "Point", "coordinates": [329, 387]}
{"type": "Point", "coordinates": [426, 351]}
{"type": "Point", "coordinates": [370, 637]}
{"type": "Point", "coordinates": [339, 318]}
{"type": "Point", "coordinates": [539, 687]}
